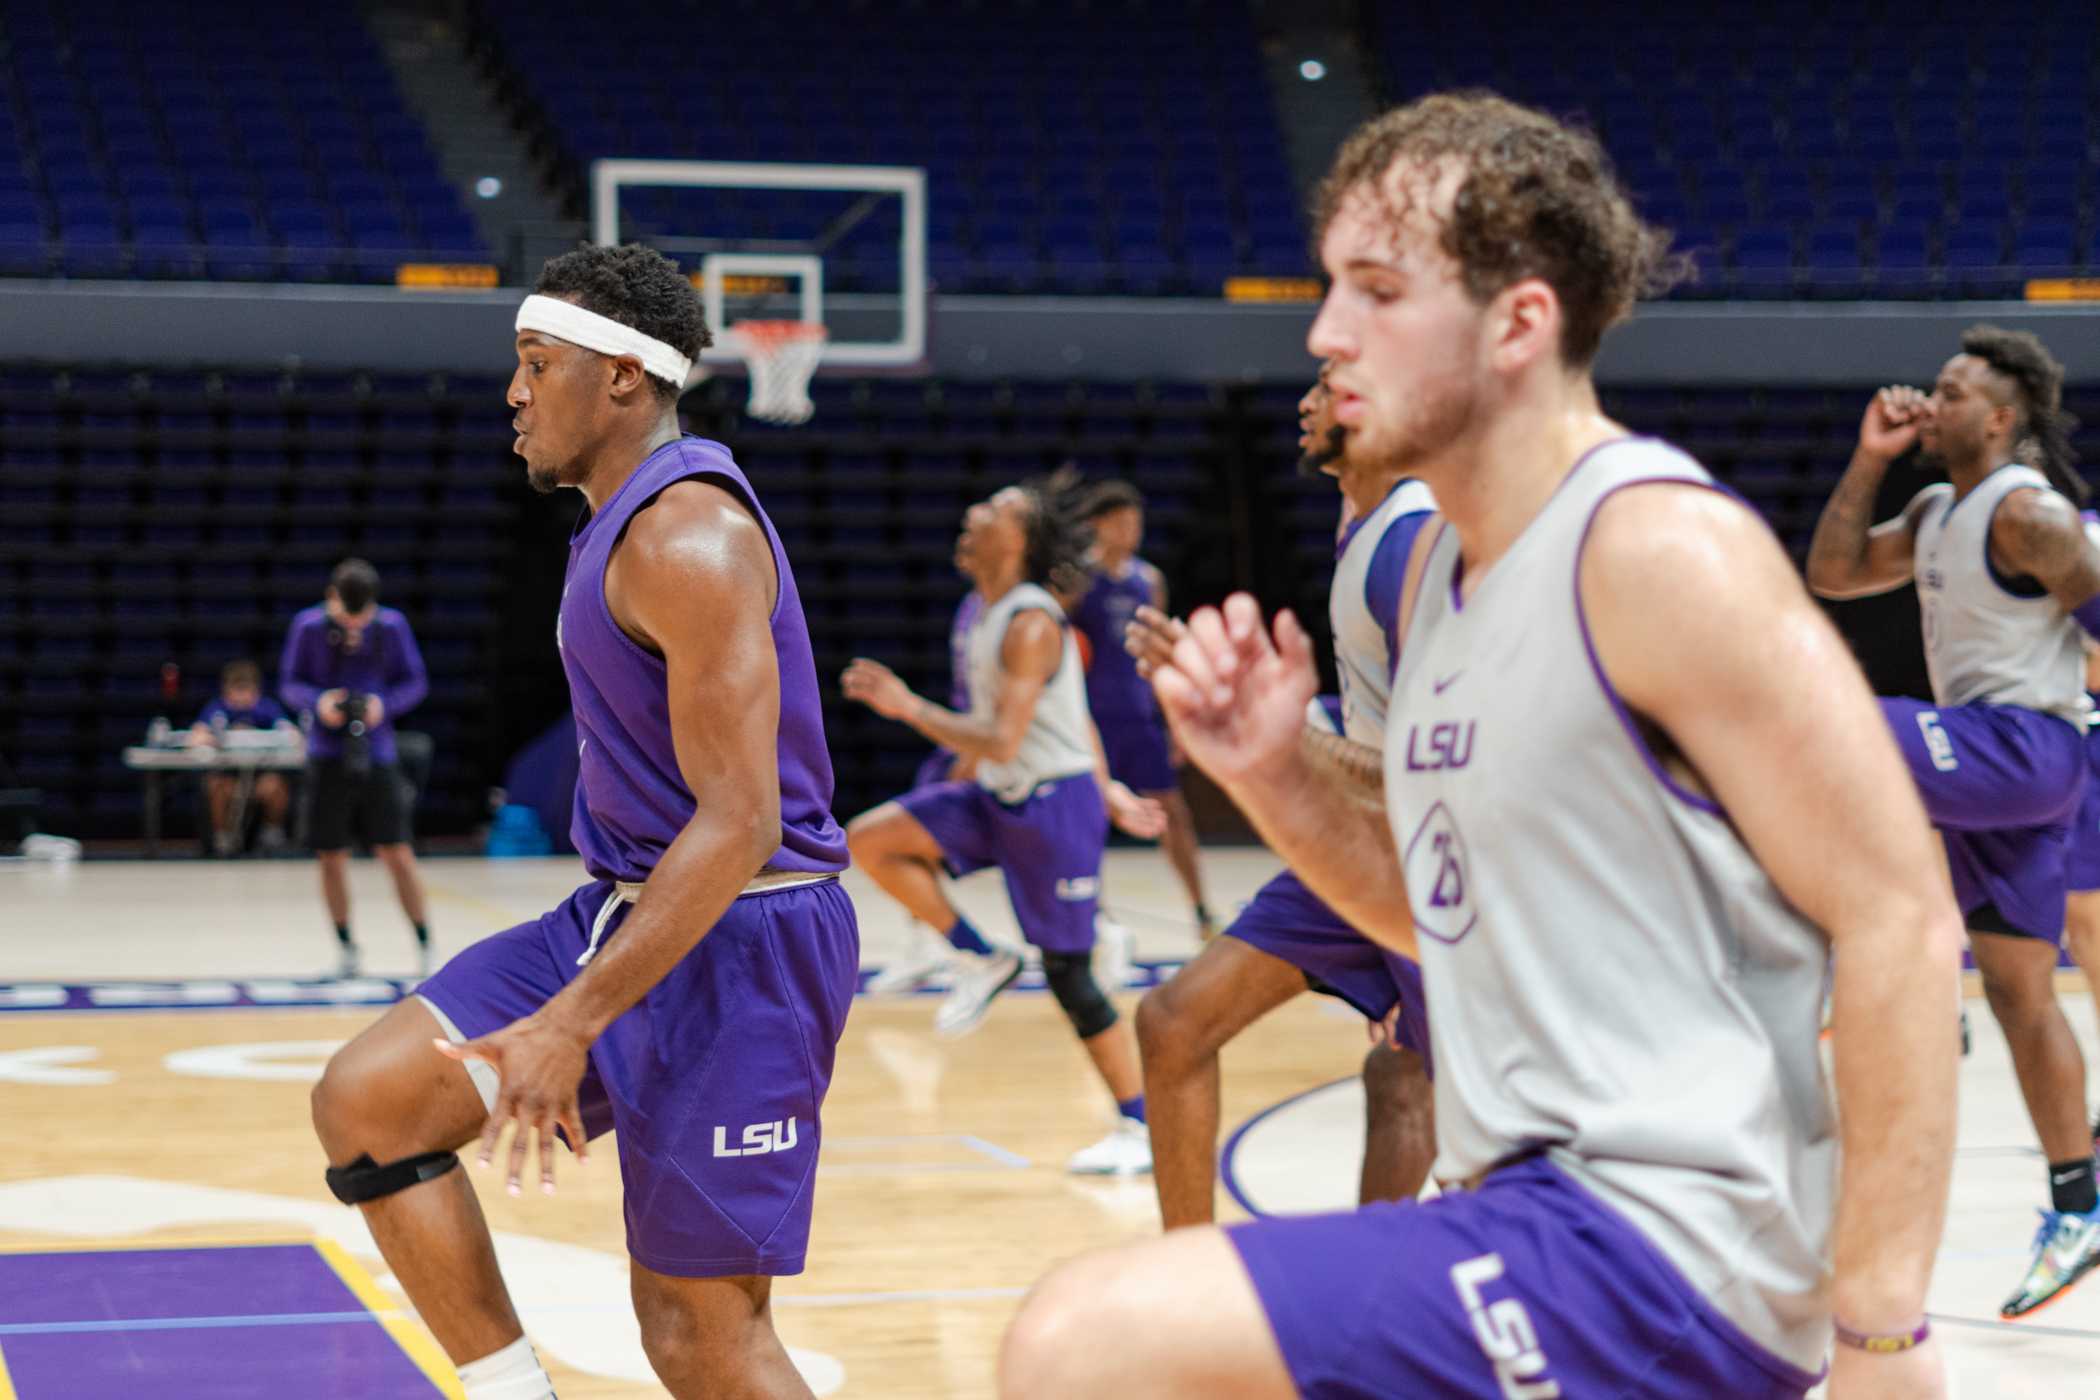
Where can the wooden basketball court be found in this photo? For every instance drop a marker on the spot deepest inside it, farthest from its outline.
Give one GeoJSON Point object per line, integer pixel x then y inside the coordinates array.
{"type": "Point", "coordinates": [158, 1037]}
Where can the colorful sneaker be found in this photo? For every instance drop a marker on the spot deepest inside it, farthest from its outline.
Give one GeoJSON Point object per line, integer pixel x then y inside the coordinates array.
{"type": "Point", "coordinates": [1117, 955]}
{"type": "Point", "coordinates": [963, 1010]}
{"type": "Point", "coordinates": [2065, 1250]}
{"type": "Point", "coordinates": [927, 958]}
{"type": "Point", "coordinates": [1126, 1151]}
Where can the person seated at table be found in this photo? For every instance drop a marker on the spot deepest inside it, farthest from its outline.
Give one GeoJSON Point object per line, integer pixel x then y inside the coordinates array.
{"type": "Point", "coordinates": [241, 704]}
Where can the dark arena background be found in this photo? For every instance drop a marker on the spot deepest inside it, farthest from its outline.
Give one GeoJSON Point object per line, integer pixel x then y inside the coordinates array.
{"type": "Point", "coordinates": [258, 269]}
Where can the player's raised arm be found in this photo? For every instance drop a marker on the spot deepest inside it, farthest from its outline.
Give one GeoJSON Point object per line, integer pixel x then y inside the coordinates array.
{"type": "Point", "coordinates": [1028, 656]}
{"type": "Point", "coordinates": [1703, 630]}
{"type": "Point", "coordinates": [1236, 699]}
{"type": "Point", "coordinates": [1850, 555]}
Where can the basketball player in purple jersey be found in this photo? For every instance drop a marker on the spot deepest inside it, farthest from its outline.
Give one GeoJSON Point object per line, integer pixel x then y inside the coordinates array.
{"type": "Point", "coordinates": [1038, 803]}
{"type": "Point", "coordinates": [1132, 733]}
{"type": "Point", "coordinates": [928, 954]}
{"type": "Point", "coordinates": [1286, 941]}
{"type": "Point", "coordinates": [693, 993]}
{"type": "Point", "coordinates": [1650, 873]}
{"type": "Point", "coordinates": [2009, 586]}
{"type": "Point", "coordinates": [2082, 857]}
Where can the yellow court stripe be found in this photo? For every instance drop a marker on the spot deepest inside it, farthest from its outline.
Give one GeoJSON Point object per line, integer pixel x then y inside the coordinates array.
{"type": "Point", "coordinates": [148, 1242]}
{"type": "Point", "coordinates": [7, 1383]}
{"type": "Point", "coordinates": [407, 1333]}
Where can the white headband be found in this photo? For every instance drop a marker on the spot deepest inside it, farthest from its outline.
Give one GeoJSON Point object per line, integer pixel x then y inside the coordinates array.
{"type": "Point", "coordinates": [605, 335]}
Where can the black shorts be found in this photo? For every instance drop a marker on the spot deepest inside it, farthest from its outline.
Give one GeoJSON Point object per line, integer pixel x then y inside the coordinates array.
{"type": "Point", "coordinates": [344, 807]}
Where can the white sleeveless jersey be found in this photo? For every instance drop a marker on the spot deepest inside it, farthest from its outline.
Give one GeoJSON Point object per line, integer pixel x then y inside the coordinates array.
{"type": "Point", "coordinates": [1616, 981]}
{"type": "Point", "coordinates": [1985, 643]}
{"type": "Point", "coordinates": [1059, 741]}
{"type": "Point", "coordinates": [1360, 607]}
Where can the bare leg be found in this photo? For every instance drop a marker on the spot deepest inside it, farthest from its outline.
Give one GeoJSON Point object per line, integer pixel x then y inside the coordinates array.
{"type": "Point", "coordinates": [1171, 1317]}
{"type": "Point", "coordinates": [714, 1337]}
{"type": "Point", "coordinates": [2019, 980]}
{"type": "Point", "coordinates": [2083, 934]}
{"type": "Point", "coordinates": [1114, 1053]}
{"type": "Point", "coordinates": [1181, 1026]}
{"type": "Point", "coordinates": [1399, 1125]}
{"type": "Point", "coordinates": [274, 797]}
{"type": "Point", "coordinates": [218, 798]}
{"type": "Point", "coordinates": [903, 858]}
{"type": "Point", "coordinates": [335, 884]}
{"type": "Point", "coordinates": [1179, 843]}
{"type": "Point", "coordinates": [388, 1094]}
{"type": "Point", "coordinates": [400, 861]}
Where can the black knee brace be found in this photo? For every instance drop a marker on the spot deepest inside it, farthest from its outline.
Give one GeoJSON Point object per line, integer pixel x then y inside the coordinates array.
{"type": "Point", "coordinates": [1071, 979]}
{"type": "Point", "coordinates": [366, 1180]}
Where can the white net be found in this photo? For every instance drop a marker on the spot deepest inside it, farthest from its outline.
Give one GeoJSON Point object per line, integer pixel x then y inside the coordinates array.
{"type": "Point", "coordinates": [783, 356]}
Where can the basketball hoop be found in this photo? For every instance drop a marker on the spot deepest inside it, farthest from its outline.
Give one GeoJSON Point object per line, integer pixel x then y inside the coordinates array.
{"type": "Point", "coordinates": [783, 356]}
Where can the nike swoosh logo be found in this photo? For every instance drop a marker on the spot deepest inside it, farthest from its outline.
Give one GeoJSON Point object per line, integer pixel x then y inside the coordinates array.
{"type": "Point", "coordinates": [1440, 686]}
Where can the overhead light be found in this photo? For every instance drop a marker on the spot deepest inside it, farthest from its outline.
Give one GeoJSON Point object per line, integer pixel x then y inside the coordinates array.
{"type": "Point", "coordinates": [488, 187]}
{"type": "Point", "coordinates": [1312, 70]}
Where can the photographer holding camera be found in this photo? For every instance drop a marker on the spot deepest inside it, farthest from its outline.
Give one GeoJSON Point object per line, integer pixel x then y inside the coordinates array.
{"type": "Point", "coordinates": [350, 669]}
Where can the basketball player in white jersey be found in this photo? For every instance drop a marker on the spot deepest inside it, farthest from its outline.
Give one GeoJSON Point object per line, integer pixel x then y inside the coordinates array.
{"type": "Point", "coordinates": [1286, 941]}
{"type": "Point", "coordinates": [1038, 805]}
{"type": "Point", "coordinates": [1625, 899]}
{"type": "Point", "coordinates": [2009, 586]}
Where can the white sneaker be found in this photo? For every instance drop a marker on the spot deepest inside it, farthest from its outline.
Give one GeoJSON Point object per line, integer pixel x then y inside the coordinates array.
{"type": "Point", "coordinates": [1126, 1151]}
{"type": "Point", "coordinates": [1115, 953]}
{"type": "Point", "coordinates": [348, 962]}
{"type": "Point", "coordinates": [963, 1010]}
{"type": "Point", "coordinates": [927, 958]}
{"type": "Point", "coordinates": [426, 960]}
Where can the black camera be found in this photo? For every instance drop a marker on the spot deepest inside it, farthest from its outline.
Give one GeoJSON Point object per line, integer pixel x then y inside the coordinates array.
{"type": "Point", "coordinates": [357, 745]}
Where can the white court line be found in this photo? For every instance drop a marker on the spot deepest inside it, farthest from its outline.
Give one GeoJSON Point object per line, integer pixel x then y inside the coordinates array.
{"type": "Point", "coordinates": [999, 1156]}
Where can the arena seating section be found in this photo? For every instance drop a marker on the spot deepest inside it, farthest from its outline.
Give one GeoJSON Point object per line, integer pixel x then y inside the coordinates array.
{"type": "Point", "coordinates": [1803, 149]}
{"type": "Point", "coordinates": [1797, 150]}
{"type": "Point", "coordinates": [1137, 151]}
{"type": "Point", "coordinates": [148, 517]}
{"type": "Point", "coordinates": [138, 140]}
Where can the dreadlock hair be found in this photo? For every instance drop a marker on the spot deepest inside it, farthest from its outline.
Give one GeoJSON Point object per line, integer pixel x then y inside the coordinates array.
{"type": "Point", "coordinates": [2043, 437]}
{"type": "Point", "coordinates": [638, 287]}
{"type": "Point", "coordinates": [1057, 532]}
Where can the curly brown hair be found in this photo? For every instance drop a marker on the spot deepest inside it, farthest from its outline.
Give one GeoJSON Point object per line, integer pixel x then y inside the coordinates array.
{"type": "Point", "coordinates": [2043, 439]}
{"type": "Point", "coordinates": [1538, 199]}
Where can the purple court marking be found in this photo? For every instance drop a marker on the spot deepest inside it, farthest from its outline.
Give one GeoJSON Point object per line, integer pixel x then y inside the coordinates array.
{"type": "Point", "coordinates": [1232, 1144]}
{"type": "Point", "coordinates": [243, 1321]}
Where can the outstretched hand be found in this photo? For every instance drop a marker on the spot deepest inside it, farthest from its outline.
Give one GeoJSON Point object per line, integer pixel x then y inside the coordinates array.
{"type": "Point", "coordinates": [1150, 636]}
{"type": "Point", "coordinates": [539, 1065]}
{"type": "Point", "coordinates": [878, 687]}
{"type": "Point", "coordinates": [1142, 817]}
{"type": "Point", "coordinates": [1234, 697]}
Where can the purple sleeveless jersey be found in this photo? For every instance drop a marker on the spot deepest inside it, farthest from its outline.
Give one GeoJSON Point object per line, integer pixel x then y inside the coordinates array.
{"type": "Point", "coordinates": [631, 801]}
{"type": "Point", "coordinates": [1114, 690]}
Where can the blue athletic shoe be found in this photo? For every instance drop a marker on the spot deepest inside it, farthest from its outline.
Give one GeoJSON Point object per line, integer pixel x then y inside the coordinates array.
{"type": "Point", "coordinates": [2066, 1248]}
